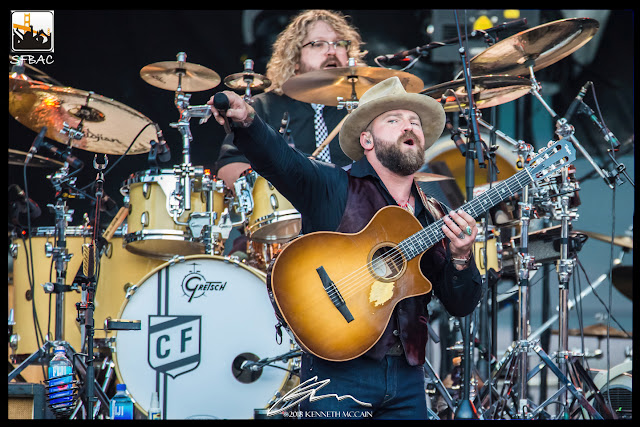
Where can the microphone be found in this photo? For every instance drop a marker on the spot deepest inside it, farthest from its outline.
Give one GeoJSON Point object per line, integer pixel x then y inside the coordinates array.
{"type": "Point", "coordinates": [455, 137]}
{"type": "Point", "coordinates": [20, 203]}
{"type": "Point", "coordinates": [88, 260]}
{"type": "Point", "coordinates": [399, 58]}
{"type": "Point", "coordinates": [67, 157]}
{"type": "Point", "coordinates": [164, 154]}
{"type": "Point", "coordinates": [221, 103]}
{"type": "Point", "coordinates": [504, 26]}
{"type": "Point", "coordinates": [36, 144]}
{"type": "Point", "coordinates": [576, 101]}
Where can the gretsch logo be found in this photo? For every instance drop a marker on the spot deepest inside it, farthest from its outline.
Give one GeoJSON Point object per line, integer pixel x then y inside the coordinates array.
{"type": "Point", "coordinates": [195, 285]}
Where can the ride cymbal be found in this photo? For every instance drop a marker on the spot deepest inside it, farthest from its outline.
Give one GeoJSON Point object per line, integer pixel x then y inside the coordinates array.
{"type": "Point", "coordinates": [108, 126]}
{"type": "Point", "coordinates": [488, 91]}
{"type": "Point", "coordinates": [349, 83]}
{"type": "Point", "coordinates": [539, 47]}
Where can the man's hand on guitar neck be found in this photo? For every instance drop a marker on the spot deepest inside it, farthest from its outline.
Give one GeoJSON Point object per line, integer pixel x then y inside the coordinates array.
{"type": "Point", "coordinates": [461, 229]}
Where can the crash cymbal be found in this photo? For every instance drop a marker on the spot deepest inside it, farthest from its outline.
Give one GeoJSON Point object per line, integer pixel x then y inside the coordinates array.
{"type": "Point", "coordinates": [622, 277]}
{"type": "Point", "coordinates": [17, 157]}
{"type": "Point", "coordinates": [488, 91]}
{"type": "Point", "coordinates": [430, 177]}
{"type": "Point", "coordinates": [598, 330]}
{"type": "Point", "coordinates": [174, 75]}
{"type": "Point", "coordinates": [624, 241]}
{"type": "Point", "coordinates": [539, 46]}
{"type": "Point", "coordinates": [109, 127]}
{"type": "Point", "coordinates": [238, 81]}
{"type": "Point", "coordinates": [325, 86]}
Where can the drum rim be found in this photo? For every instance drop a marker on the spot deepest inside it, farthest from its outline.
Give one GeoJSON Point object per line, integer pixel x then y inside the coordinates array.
{"type": "Point", "coordinates": [260, 274]}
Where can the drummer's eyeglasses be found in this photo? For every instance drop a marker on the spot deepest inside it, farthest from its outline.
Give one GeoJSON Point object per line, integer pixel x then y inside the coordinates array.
{"type": "Point", "coordinates": [323, 45]}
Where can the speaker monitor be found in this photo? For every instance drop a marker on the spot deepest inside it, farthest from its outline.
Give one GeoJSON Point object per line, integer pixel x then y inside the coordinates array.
{"type": "Point", "coordinates": [26, 401]}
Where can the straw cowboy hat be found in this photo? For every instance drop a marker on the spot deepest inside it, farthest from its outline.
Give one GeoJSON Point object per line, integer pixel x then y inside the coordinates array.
{"type": "Point", "coordinates": [385, 96]}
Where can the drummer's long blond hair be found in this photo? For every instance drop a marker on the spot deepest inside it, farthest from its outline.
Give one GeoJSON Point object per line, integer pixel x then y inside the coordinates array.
{"type": "Point", "coordinates": [286, 48]}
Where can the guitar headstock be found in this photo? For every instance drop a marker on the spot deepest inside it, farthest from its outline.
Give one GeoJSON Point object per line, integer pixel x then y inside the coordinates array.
{"type": "Point", "coordinates": [556, 155]}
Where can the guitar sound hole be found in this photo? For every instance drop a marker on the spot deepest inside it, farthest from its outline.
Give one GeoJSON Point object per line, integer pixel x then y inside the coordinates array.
{"type": "Point", "coordinates": [387, 263]}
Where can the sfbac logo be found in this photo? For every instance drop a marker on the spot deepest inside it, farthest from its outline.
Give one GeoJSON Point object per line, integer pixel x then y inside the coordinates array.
{"type": "Point", "coordinates": [174, 344]}
{"type": "Point", "coordinates": [32, 31]}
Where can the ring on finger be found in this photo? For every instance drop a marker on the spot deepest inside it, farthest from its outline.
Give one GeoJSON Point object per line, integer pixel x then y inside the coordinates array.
{"type": "Point", "coordinates": [461, 235]}
{"type": "Point", "coordinates": [468, 230]}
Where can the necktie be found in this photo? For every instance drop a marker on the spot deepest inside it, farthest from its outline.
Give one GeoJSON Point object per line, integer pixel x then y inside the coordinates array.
{"type": "Point", "coordinates": [321, 132]}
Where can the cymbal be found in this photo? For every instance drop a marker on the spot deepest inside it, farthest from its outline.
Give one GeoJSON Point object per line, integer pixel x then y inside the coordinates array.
{"type": "Point", "coordinates": [171, 74]}
{"type": "Point", "coordinates": [622, 277]}
{"type": "Point", "coordinates": [238, 81]}
{"type": "Point", "coordinates": [325, 86]}
{"type": "Point", "coordinates": [624, 241]}
{"type": "Point", "coordinates": [17, 157]}
{"type": "Point", "coordinates": [109, 127]}
{"type": "Point", "coordinates": [598, 330]}
{"type": "Point", "coordinates": [488, 91]}
{"type": "Point", "coordinates": [430, 177]}
{"type": "Point", "coordinates": [539, 46]}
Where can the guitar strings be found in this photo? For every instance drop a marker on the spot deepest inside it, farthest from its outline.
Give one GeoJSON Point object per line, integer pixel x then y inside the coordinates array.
{"type": "Point", "coordinates": [351, 285]}
{"type": "Point", "coordinates": [364, 278]}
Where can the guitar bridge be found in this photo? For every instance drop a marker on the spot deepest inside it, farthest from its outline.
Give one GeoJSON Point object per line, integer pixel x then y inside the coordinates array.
{"type": "Point", "coordinates": [334, 294]}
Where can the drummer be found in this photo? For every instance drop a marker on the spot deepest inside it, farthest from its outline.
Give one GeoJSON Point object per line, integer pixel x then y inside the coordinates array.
{"type": "Point", "coordinates": [313, 40]}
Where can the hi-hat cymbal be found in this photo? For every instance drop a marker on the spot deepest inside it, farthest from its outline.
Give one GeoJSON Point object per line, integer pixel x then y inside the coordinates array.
{"type": "Point", "coordinates": [624, 241]}
{"type": "Point", "coordinates": [17, 157]}
{"type": "Point", "coordinates": [539, 47]}
{"type": "Point", "coordinates": [174, 75]}
{"type": "Point", "coordinates": [325, 86]}
{"type": "Point", "coordinates": [109, 127]}
{"type": "Point", "coordinates": [488, 91]}
{"type": "Point", "coordinates": [598, 330]}
{"type": "Point", "coordinates": [238, 81]}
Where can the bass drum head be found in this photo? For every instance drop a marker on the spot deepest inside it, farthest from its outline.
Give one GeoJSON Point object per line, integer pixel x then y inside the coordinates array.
{"type": "Point", "coordinates": [200, 319]}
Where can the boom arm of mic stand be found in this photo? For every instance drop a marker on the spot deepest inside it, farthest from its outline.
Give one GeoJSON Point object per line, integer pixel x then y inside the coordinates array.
{"type": "Point", "coordinates": [535, 91]}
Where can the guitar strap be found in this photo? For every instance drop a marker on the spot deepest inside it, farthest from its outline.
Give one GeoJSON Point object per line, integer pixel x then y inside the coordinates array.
{"type": "Point", "coordinates": [434, 207]}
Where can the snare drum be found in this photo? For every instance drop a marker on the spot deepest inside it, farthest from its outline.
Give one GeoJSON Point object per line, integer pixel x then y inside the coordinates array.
{"type": "Point", "coordinates": [201, 318]}
{"type": "Point", "coordinates": [151, 197]}
{"type": "Point", "coordinates": [273, 219]}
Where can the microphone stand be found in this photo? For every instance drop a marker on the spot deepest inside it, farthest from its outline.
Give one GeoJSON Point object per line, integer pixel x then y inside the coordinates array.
{"type": "Point", "coordinates": [465, 409]}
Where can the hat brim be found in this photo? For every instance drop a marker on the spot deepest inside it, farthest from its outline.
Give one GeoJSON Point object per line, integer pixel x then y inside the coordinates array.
{"type": "Point", "coordinates": [430, 111]}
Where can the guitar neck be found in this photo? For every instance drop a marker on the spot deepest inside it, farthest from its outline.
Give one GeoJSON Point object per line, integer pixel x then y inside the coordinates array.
{"type": "Point", "coordinates": [432, 234]}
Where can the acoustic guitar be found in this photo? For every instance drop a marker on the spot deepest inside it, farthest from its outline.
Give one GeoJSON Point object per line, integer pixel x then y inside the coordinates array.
{"type": "Point", "coordinates": [336, 291]}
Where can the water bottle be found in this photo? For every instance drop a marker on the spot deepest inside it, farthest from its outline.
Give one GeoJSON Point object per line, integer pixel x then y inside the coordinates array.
{"type": "Point", "coordinates": [60, 379]}
{"type": "Point", "coordinates": [121, 407]}
{"type": "Point", "coordinates": [154, 409]}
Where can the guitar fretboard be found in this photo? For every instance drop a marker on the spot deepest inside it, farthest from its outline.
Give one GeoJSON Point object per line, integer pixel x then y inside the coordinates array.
{"type": "Point", "coordinates": [432, 234]}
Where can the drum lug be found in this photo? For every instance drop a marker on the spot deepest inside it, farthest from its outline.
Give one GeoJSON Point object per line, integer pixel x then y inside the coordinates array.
{"type": "Point", "coordinates": [146, 190]}
{"type": "Point", "coordinates": [48, 249]}
{"type": "Point", "coordinates": [144, 219]}
{"type": "Point", "coordinates": [274, 202]}
{"type": "Point", "coordinates": [13, 250]}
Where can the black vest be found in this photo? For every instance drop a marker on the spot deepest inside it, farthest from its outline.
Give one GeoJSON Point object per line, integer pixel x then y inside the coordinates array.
{"type": "Point", "coordinates": [408, 322]}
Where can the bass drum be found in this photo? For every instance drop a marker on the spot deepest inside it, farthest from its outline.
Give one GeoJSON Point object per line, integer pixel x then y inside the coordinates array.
{"type": "Point", "coordinates": [201, 318]}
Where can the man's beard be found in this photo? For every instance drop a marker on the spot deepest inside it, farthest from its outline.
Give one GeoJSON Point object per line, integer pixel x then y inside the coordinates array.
{"type": "Point", "coordinates": [393, 158]}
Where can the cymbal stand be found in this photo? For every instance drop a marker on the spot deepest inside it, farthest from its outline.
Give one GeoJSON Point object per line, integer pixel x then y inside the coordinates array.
{"type": "Point", "coordinates": [352, 103]}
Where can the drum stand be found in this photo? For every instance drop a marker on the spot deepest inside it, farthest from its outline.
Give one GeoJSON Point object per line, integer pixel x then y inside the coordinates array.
{"type": "Point", "coordinates": [201, 225]}
{"type": "Point", "coordinates": [515, 361]}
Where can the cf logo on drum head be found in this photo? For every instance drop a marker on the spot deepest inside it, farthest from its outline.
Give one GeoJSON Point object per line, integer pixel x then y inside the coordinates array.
{"type": "Point", "coordinates": [174, 344]}
{"type": "Point", "coordinates": [195, 285]}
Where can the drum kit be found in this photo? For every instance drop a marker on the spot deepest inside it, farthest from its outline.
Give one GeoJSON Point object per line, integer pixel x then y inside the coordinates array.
{"type": "Point", "coordinates": [170, 300]}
